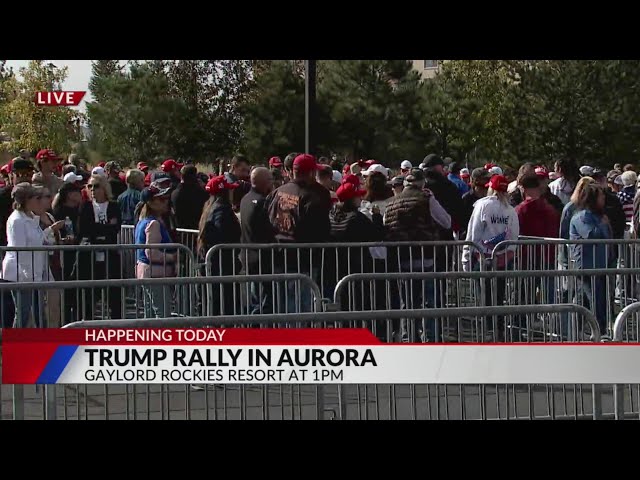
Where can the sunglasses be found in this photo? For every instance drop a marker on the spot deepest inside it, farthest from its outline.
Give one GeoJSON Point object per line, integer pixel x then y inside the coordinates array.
{"type": "Point", "coordinates": [93, 186]}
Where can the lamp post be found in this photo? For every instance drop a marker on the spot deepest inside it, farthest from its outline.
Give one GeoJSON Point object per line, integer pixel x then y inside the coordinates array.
{"type": "Point", "coordinates": [310, 116]}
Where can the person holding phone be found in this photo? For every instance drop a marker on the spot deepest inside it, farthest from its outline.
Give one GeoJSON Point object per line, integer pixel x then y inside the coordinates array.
{"type": "Point", "coordinates": [23, 230]}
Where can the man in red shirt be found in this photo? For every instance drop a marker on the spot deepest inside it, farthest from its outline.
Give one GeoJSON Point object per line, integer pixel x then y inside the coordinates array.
{"type": "Point", "coordinates": [537, 219]}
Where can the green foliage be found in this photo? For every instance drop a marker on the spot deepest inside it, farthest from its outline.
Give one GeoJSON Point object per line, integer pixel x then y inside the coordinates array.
{"type": "Point", "coordinates": [274, 112]}
{"type": "Point", "coordinates": [186, 109]}
{"type": "Point", "coordinates": [370, 108]}
{"type": "Point", "coordinates": [28, 125]}
{"type": "Point", "coordinates": [139, 118]}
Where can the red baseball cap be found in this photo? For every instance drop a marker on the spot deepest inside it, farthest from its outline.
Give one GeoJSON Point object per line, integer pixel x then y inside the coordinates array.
{"type": "Point", "coordinates": [275, 162]}
{"type": "Point", "coordinates": [499, 183]}
{"type": "Point", "coordinates": [489, 166]}
{"type": "Point", "coordinates": [305, 163]}
{"type": "Point", "coordinates": [6, 168]}
{"type": "Point", "coordinates": [219, 183]}
{"type": "Point", "coordinates": [368, 163]}
{"type": "Point", "coordinates": [542, 171]}
{"type": "Point", "coordinates": [347, 191]}
{"type": "Point", "coordinates": [142, 166]}
{"type": "Point", "coordinates": [170, 165]}
{"type": "Point", "coordinates": [351, 178]}
{"type": "Point", "coordinates": [47, 154]}
{"type": "Point", "coordinates": [101, 164]}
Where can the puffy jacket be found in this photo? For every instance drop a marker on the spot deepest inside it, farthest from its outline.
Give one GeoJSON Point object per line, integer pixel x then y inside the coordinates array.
{"type": "Point", "coordinates": [408, 218]}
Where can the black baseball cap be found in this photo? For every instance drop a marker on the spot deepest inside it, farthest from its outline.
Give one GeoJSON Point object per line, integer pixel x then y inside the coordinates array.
{"type": "Point", "coordinates": [20, 164]}
{"type": "Point", "coordinates": [432, 160]}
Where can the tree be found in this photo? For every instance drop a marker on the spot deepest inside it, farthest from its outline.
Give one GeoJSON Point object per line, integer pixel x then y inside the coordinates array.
{"type": "Point", "coordinates": [30, 126]}
{"type": "Point", "coordinates": [274, 112]}
{"type": "Point", "coordinates": [369, 107]}
{"type": "Point", "coordinates": [450, 116]}
{"type": "Point", "coordinates": [101, 69]}
{"type": "Point", "coordinates": [213, 90]}
{"type": "Point", "coordinates": [138, 118]}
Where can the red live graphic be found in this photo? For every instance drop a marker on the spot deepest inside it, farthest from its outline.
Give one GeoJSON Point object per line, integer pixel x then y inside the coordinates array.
{"type": "Point", "coordinates": [59, 98]}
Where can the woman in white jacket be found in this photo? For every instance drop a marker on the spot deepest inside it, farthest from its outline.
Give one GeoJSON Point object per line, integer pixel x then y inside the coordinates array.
{"type": "Point", "coordinates": [23, 230]}
{"type": "Point", "coordinates": [493, 220]}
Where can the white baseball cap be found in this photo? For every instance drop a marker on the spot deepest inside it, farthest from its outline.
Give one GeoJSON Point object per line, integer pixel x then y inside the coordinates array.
{"type": "Point", "coordinates": [337, 176]}
{"type": "Point", "coordinates": [586, 170]}
{"type": "Point", "coordinates": [495, 171]}
{"type": "Point", "coordinates": [406, 164]}
{"type": "Point", "coordinates": [72, 178]}
{"type": "Point", "coordinates": [99, 171]}
{"type": "Point", "coordinates": [464, 171]}
{"type": "Point", "coordinates": [376, 168]}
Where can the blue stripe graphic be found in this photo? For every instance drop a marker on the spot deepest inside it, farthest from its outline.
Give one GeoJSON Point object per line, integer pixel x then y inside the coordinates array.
{"type": "Point", "coordinates": [57, 364]}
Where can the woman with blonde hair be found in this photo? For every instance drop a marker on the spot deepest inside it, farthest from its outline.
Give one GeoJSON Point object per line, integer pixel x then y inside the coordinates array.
{"type": "Point", "coordinates": [23, 230]}
{"type": "Point", "coordinates": [99, 224]}
{"type": "Point", "coordinates": [565, 219]}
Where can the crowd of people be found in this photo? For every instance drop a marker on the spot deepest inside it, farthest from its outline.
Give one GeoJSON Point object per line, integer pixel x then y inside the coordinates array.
{"type": "Point", "coordinates": [301, 199]}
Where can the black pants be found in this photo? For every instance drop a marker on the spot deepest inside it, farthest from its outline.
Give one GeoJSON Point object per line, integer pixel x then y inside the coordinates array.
{"type": "Point", "coordinates": [7, 308]}
{"type": "Point", "coordinates": [90, 297]}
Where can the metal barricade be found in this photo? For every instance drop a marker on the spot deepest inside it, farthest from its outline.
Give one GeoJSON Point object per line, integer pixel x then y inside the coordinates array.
{"type": "Point", "coordinates": [620, 282]}
{"type": "Point", "coordinates": [327, 263]}
{"type": "Point", "coordinates": [83, 263]}
{"type": "Point", "coordinates": [311, 401]}
{"type": "Point", "coordinates": [627, 329]}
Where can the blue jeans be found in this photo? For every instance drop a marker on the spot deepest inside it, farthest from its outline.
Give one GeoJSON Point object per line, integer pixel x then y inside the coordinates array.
{"type": "Point", "coordinates": [293, 296]}
{"type": "Point", "coordinates": [594, 294]}
{"type": "Point", "coordinates": [27, 301]}
{"type": "Point", "coordinates": [419, 294]}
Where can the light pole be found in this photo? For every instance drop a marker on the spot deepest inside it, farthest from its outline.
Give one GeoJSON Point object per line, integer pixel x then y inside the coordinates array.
{"type": "Point", "coordinates": [310, 110]}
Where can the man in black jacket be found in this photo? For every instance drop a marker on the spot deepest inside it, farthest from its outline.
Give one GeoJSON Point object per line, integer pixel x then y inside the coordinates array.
{"type": "Point", "coordinates": [299, 213]}
{"type": "Point", "coordinates": [188, 199]}
{"type": "Point", "coordinates": [256, 229]}
{"type": "Point", "coordinates": [254, 220]}
{"type": "Point", "coordinates": [445, 192]}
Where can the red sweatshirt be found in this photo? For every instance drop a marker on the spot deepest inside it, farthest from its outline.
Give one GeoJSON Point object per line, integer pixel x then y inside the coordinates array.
{"type": "Point", "coordinates": [538, 219]}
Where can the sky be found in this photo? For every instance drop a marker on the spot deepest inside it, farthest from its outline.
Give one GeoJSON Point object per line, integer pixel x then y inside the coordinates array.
{"type": "Point", "coordinates": [78, 74]}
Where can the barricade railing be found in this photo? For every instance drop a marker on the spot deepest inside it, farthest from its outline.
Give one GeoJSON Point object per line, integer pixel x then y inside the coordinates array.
{"type": "Point", "coordinates": [607, 292]}
{"type": "Point", "coordinates": [327, 263]}
{"type": "Point", "coordinates": [311, 401]}
{"type": "Point", "coordinates": [186, 237]}
{"type": "Point", "coordinates": [153, 297]}
{"type": "Point", "coordinates": [82, 263]}
{"type": "Point", "coordinates": [627, 329]}
{"type": "Point", "coordinates": [492, 287]}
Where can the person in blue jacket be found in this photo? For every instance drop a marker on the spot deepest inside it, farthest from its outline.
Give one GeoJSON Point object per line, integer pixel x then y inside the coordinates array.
{"type": "Point", "coordinates": [591, 223]}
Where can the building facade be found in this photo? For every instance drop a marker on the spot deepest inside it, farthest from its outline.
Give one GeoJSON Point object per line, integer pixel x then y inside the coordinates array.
{"type": "Point", "coordinates": [426, 68]}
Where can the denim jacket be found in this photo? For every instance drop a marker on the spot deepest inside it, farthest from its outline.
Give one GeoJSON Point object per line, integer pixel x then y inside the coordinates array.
{"type": "Point", "coordinates": [587, 225]}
